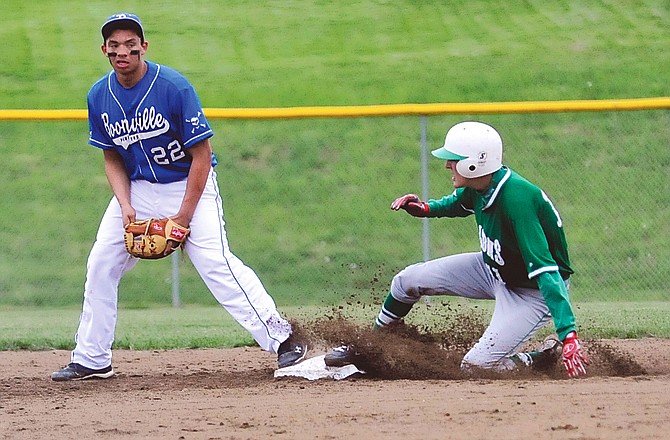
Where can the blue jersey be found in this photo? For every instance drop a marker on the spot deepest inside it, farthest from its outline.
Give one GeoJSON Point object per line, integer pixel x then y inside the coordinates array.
{"type": "Point", "coordinates": [150, 125]}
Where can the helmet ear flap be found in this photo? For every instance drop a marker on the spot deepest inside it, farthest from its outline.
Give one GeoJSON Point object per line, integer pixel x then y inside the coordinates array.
{"type": "Point", "coordinates": [474, 166]}
{"type": "Point", "coordinates": [467, 167]}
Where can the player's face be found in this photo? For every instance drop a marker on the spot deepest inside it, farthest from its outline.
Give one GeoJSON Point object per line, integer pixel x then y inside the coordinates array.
{"type": "Point", "coordinates": [125, 51]}
{"type": "Point", "coordinates": [458, 180]}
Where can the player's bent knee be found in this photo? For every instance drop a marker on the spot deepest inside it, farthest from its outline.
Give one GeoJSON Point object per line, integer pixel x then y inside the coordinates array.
{"type": "Point", "coordinates": [403, 290]}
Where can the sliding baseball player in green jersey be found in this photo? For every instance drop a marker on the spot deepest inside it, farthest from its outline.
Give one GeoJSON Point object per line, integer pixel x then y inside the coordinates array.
{"type": "Point", "coordinates": [523, 264]}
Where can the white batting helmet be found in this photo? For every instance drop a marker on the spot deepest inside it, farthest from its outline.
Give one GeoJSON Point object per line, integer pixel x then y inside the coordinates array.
{"type": "Point", "coordinates": [476, 146]}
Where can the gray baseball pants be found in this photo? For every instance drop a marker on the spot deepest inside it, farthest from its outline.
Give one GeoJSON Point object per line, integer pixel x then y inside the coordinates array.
{"type": "Point", "coordinates": [519, 313]}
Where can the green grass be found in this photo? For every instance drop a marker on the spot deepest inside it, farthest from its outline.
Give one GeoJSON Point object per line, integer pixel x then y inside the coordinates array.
{"type": "Point", "coordinates": [286, 53]}
{"type": "Point", "coordinates": [54, 328]}
{"type": "Point", "coordinates": [306, 201]}
{"type": "Point", "coordinates": [212, 327]}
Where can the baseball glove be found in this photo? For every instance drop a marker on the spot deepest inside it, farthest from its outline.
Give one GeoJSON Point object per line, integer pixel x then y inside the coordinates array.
{"type": "Point", "coordinates": [154, 238]}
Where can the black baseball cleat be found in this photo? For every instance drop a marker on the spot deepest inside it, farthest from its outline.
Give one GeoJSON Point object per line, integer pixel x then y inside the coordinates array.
{"type": "Point", "coordinates": [290, 353]}
{"type": "Point", "coordinates": [340, 356]}
{"type": "Point", "coordinates": [547, 355]}
{"type": "Point", "coordinates": [75, 371]}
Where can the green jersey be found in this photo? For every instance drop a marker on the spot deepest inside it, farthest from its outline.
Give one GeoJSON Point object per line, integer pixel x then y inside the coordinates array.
{"type": "Point", "coordinates": [520, 231]}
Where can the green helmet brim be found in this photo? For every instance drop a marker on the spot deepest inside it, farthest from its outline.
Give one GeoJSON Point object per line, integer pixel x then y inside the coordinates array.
{"type": "Point", "coordinates": [444, 154]}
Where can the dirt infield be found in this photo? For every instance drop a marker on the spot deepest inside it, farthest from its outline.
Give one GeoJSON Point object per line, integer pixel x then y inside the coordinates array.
{"type": "Point", "coordinates": [231, 394]}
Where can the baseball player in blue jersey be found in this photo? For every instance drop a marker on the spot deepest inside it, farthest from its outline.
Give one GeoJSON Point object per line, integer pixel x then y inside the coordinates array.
{"type": "Point", "coordinates": [523, 264]}
{"type": "Point", "coordinates": [147, 120]}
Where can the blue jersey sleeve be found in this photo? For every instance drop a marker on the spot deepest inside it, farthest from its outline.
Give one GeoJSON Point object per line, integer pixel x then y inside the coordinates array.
{"type": "Point", "coordinates": [98, 136]}
{"type": "Point", "coordinates": [188, 119]}
{"type": "Point", "coordinates": [193, 123]}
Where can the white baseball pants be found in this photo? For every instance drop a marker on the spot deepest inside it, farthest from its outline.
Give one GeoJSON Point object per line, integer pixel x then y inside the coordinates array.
{"type": "Point", "coordinates": [235, 286]}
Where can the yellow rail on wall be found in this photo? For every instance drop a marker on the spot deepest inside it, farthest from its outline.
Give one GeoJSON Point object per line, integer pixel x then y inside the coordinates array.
{"type": "Point", "coordinates": [380, 110]}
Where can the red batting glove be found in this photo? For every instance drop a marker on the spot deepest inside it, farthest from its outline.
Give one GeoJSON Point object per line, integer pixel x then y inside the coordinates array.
{"type": "Point", "coordinates": [412, 204]}
{"type": "Point", "coordinates": [402, 201]}
{"type": "Point", "coordinates": [573, 359]}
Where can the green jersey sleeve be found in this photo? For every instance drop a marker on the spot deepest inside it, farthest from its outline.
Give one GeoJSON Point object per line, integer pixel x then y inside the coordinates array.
{"type": "Point", "coordinates": [458, 204]}
{"type": "Point", "coordinates": [555, 295]}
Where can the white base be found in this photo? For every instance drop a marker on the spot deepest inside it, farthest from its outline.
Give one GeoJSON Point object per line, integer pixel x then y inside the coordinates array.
{"type": "Point", "coordinates": [315, 368]}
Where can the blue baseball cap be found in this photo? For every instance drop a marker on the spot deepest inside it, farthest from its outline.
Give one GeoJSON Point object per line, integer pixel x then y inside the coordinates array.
{"type": "Point", "coordinates": [122, 20]}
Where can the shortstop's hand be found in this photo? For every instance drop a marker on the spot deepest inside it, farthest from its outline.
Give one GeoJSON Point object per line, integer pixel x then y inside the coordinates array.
{"type": "Point", "coordinates": [128, 214]}
{"type": "Point", "coordinates": [412, 204]}
{"type": "Point", "coordinates": [574, 359]}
